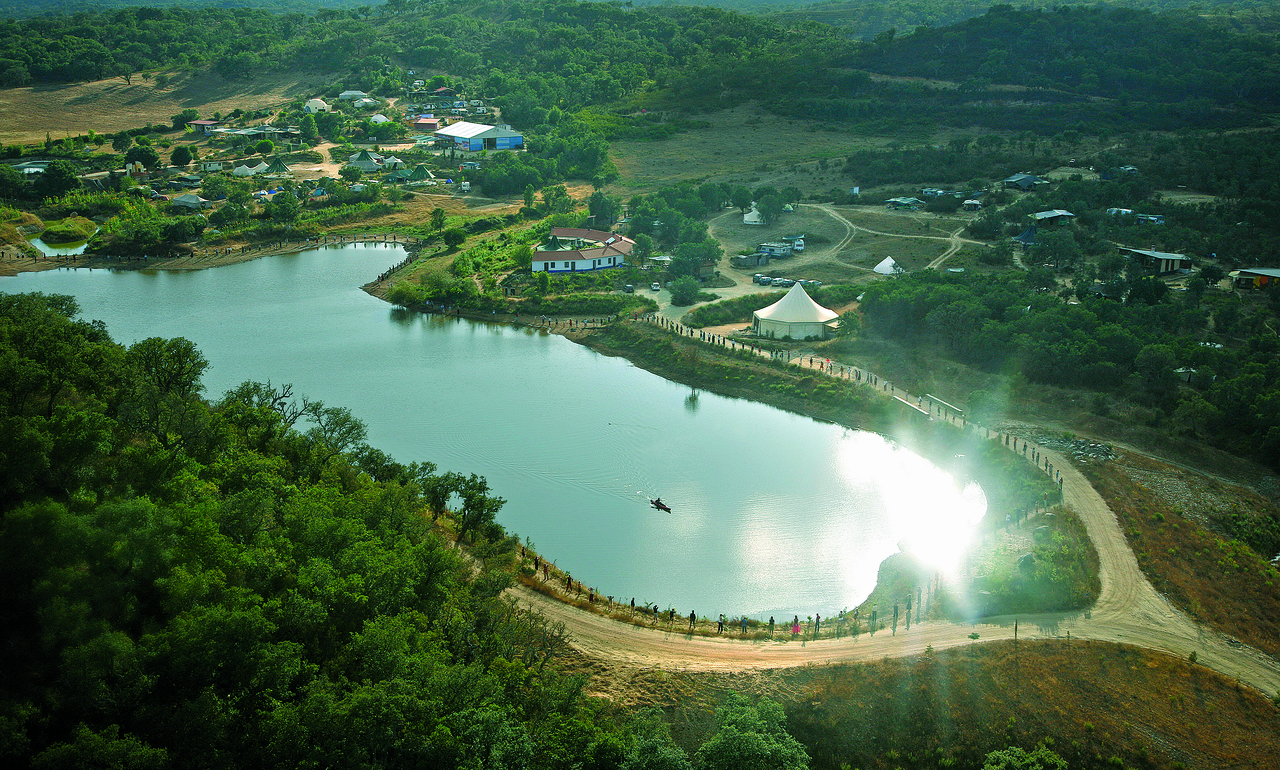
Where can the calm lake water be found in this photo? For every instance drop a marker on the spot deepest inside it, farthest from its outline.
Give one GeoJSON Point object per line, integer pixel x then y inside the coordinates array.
{"type": "Point", "coordinates": [773, 513]}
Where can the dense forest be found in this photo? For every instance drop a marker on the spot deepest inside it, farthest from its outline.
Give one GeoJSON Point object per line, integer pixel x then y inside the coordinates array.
{"type": "Point", "coordinates": [544, 54]}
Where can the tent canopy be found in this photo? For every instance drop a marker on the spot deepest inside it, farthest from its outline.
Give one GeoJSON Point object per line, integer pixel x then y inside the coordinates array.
{"type": "Point", "coordinates": [888, 266]}
{"type": "Point", "coordinates": [796, 306]}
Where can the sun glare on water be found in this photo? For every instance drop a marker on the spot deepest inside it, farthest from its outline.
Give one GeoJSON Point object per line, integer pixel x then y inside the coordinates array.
{"type": "Point", "coordinates": [931, 514]}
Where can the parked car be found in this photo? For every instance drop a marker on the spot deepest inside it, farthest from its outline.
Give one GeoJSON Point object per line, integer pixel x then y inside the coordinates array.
{"type": "Point", "coordinates": [783, 282]}
{"type": "Point", "coordinates": [756, 278]}
{"type": "Point", "coordinates": [629, 289]}
{"type": "Point", "coordinates": [655, 286]}
{"type": "Point", "coordinates": [763, 280]}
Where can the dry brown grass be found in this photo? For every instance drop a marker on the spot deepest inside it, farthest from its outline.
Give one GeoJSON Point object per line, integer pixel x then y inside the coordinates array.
{"type": "Point", "coordinates": [1219, 582]}
{"type": "Point", "coordinates": [1094, 700]}
{"type": "Point", "coordinates": [744, 145]}
{"type": "Point", "coordinates": [106, 106]}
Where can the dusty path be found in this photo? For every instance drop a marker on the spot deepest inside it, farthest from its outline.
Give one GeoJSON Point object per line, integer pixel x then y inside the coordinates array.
{"type": "Point", "coordinates": [953, 239]}
{"type": "Point", "coordinates": [1128, 610]}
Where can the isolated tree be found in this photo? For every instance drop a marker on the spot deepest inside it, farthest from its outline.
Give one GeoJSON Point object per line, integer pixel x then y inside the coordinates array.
{"type": "Point", "coordinates": [59, 178]}
{"type": "Point", "coordinates": [181, 156]}
{"type": "Point", "coordinates": [307, 129]}
{"type": "Point", "coordinates": [437, 218]}
{"type": "Point", "coordinates": [740, 198]}
{"type": "Point", "coordinates": [264, 147]}
{"type": "Point", "coordinates": [478, 507]}
{"type": "Point", "coordinates": [181, 120]}
{"type": "Point", "coordinates": [147, 156]}
{"type": "Point", "coordinates": [643, 248]}
{"type": "Point", "coordinates": [770, 207]}
{"type": "Point", "coordinates": [454, 237]}
{"type": "Point", "coordinates": [284, 207]}
{"type": "Point", "coordinates": [751, 735]}
{"type": "Point", "coordinates": [121, 142]}
{"type": "Point", "coordinates": [529, 193]}
{"type": "Point", "coordinates": [684, 291]}
{"type": "Point", "coordinates": [523, 257]}
{"type": "Point", "coordinates": [350, 174]}
{"type": "Point", "coordinates": [1057, 246]}
{"type": "Point", "coordinates": [603, 208]}
{"type": "Point", "coordinates": [1212, 274]}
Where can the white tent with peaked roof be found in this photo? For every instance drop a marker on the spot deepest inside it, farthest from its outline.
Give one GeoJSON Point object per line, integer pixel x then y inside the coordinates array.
{"type": "Point", "coordinates": [796, 316]}
{"type": "Point", "coordinates": [888, 266]}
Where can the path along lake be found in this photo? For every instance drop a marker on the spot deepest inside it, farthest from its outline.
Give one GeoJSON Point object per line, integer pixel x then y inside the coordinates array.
{"type": "Point", "coordinates": [773, 513]}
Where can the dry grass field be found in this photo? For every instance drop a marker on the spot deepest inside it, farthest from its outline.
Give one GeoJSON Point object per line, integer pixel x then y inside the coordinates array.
{"type": "Point", "coordinates": [744, 145]}
{"type": "Point", "coordinates": [105, 106]}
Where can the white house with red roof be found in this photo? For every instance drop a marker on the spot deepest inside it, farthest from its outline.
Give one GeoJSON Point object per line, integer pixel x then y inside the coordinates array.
{"type": "Point", "coordinates": [577, 250]}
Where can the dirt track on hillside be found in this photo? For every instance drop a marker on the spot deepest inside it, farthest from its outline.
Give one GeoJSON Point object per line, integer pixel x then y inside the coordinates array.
{"type": "Point", "coordinates": [1128, 610]}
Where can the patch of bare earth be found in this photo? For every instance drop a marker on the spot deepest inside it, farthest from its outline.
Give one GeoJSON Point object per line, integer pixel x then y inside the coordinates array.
{"type": "Point", "coordinates": [106, 106]}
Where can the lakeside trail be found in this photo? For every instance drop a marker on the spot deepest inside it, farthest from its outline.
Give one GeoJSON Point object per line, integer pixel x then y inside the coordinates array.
{"type": "Point", "coordinates": [1128, 609]}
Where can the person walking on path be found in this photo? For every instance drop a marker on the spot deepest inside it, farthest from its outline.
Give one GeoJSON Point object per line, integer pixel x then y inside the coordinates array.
{"type": "Point", "coordinates": [744, 625]}
{"type": "Point", "coordinates": [795, 626]}
{"type": "Point", "coordinates": [770, 626]}
{"type": "Point", "coordinates": [817, 625]}
{"type": "Point", "coordinates": [693, 618]}
{"type": "Point", "coordinates": [720, 624]}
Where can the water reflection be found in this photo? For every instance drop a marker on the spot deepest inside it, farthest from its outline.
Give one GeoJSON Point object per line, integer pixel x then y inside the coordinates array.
{"type": "Point", "coordinates": [59, 249]}
{"type": "Point", "coordinates": [773, 513]}
{"type": "Point", "coordinates": [691, 400]}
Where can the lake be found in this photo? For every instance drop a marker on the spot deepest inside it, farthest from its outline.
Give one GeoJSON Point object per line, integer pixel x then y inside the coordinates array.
{"type": "Point", "coordinates": [773, 513]}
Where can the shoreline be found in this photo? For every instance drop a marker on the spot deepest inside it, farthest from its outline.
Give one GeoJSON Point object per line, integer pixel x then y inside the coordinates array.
{"type": "Point", "coordinates": [201, 259]}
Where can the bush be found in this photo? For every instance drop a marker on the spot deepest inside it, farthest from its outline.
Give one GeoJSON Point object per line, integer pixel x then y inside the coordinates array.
{"type": "Point", "coordinates": [454, 237]}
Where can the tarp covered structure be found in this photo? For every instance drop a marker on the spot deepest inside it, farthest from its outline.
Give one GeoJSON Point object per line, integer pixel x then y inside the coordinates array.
{"type": "Point", "coordinates": [247, 170]}
{"type": "Point", "coordinates": [796, 316]}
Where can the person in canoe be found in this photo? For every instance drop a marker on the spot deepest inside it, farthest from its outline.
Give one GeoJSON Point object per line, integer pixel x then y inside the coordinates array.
{"type": "Point", "coordinates": [661, 506]}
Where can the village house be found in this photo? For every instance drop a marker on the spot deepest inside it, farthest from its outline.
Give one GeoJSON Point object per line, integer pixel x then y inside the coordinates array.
{"type": "Point", "coordinates": [350, 96]}
{"type": "Point", "coordinates": [1052, 218]}
{"type": "Point", "coordinates": [908, 204]}
{"type": "Point", "coordinates": [749, 260]}
{"type": "Point", "coordinates": [1255, 278]}
{"type": "Point", "coordinates": [576, 250]}
{"type": "Point", "coordinates": [315, 106]}
{"type": "Point", "coordinates": [1024, 182]}
{"type": "Point", "coordinates": [473, 137]}
{"type": "Point", "coordinates": [205, 127]}
{"type": "Point", "coordinates": [1160, 261]}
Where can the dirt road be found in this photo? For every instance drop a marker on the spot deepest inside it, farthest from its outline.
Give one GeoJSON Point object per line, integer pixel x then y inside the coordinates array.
{"type": "Point", "coordinates": [1128, 610]}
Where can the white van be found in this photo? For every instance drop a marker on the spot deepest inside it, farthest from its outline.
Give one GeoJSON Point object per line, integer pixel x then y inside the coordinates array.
{"type": "Point", "coordinates": [464, 187]}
